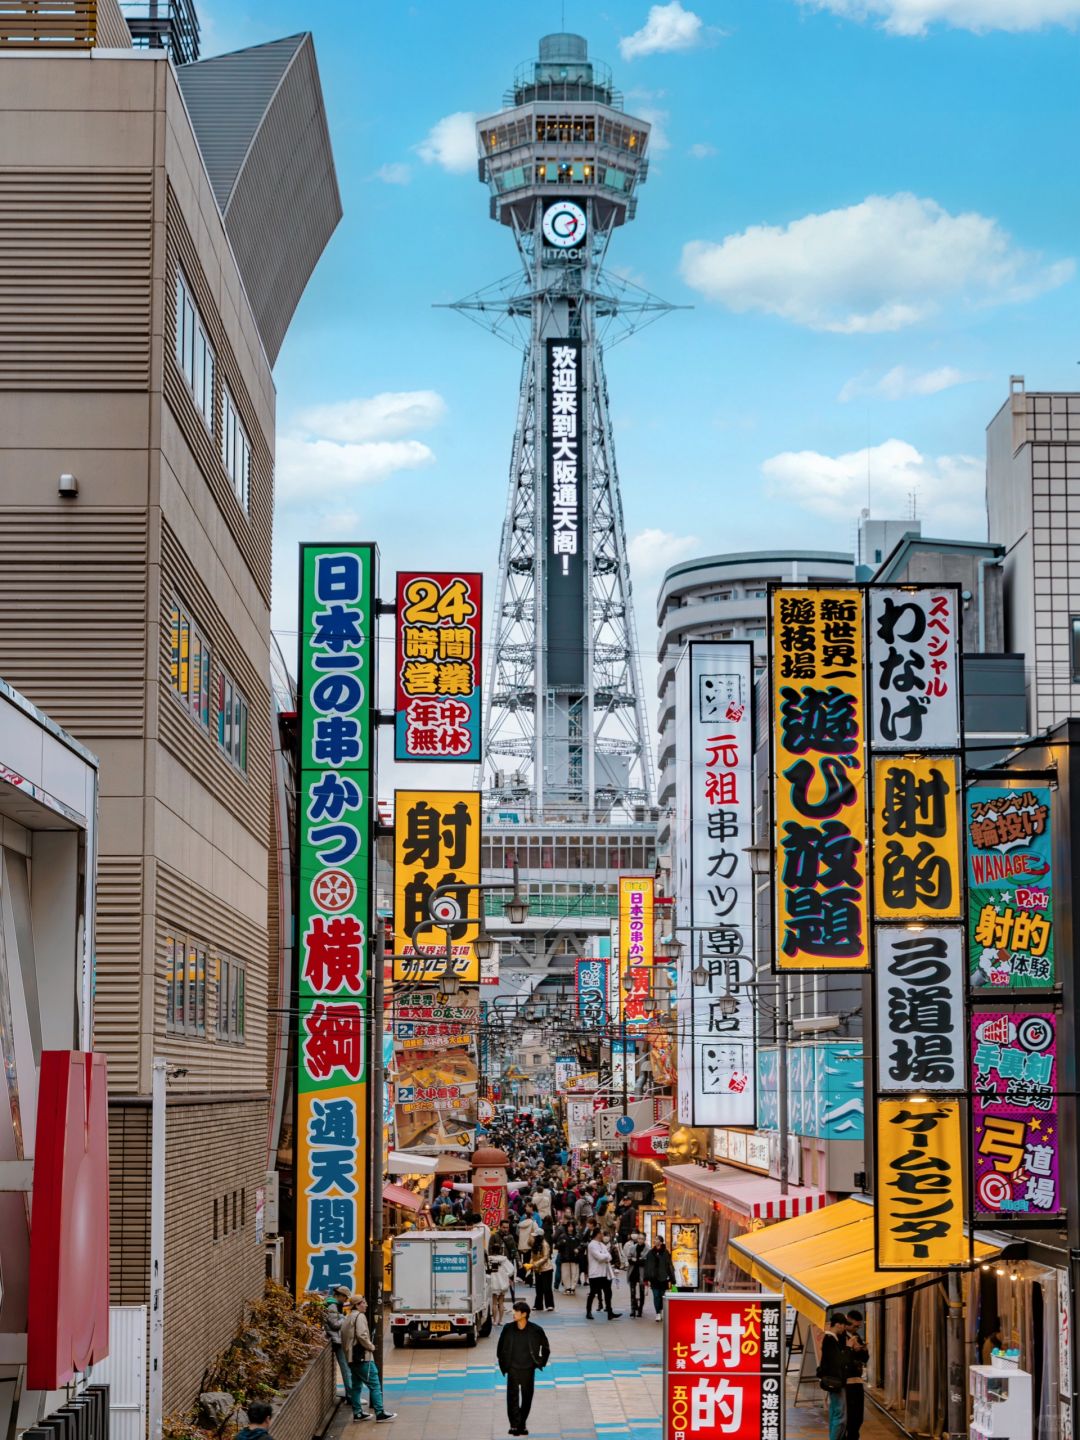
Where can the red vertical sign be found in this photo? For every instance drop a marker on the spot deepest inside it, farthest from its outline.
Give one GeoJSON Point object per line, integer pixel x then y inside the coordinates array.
{"type": "Point", "coordinates": [723, 1367]}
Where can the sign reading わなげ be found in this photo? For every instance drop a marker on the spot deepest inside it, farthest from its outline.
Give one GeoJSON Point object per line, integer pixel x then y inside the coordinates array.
{"type": "Point", "coordinates": [437, 667]}
{"type": "Point", "coordinates": [723, 1367]}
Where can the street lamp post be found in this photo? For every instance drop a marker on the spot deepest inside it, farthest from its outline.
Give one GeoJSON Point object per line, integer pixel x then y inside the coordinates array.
{"type": "Point", "coordinates": [445, 911]}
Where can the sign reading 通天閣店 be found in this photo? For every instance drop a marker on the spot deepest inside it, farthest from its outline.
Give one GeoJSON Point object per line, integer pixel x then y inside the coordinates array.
{"type": "Point", "coordinates": [338, 585]}
{"type": "Point", "coordinates": [1015, 1114]}
{"type": "Point", "coordinates": [636, 932]}
{"type": "Point", "coordinates": [819, 779]}
{"type": "Point", "coordinates": [437, 694]}
{"type": "Point", "coordinates": [917, 868]}
{"type": "Point", "coordinates": [723, 1367]}
{"type": "Point", "coordinates": [1010, 887]}
{"type": "Point", "coordinates": [436, 843]}
{"type": "Point", "coordinates": [914, 689]}
{"type": "Point", "coordinates": [919, 1194]}
{"type": "Point", "coordinates": [919, 983]}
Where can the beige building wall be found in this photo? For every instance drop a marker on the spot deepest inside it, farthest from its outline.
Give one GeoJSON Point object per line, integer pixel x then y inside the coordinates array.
{"type": "Point", "coordinates": [102, 195]}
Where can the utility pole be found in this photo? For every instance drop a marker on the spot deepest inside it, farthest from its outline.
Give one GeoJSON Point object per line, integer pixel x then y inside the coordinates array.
{"type": "Point", "coordinates": [374, 1288]}
{"type": "Point", "coordinates": [158, 1081]}
{"type": "Point", "coordinates": [625, 1138]}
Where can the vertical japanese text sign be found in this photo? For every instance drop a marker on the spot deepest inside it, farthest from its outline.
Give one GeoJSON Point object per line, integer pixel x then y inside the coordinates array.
{"type": "Point", "coordinates": [1015, 1132]}
{"type": "Point", "coordinates": [437, 694]}
{"type": "Point", "coordinates": [919, 1185]}
{"type": "Point", "coordinates": [1010, 887]}
{"type": "Point", "coordinates": [714, 751]}
{"type": "Point", "coordinates": [567, 487]}
{"type": "Point", "coordinates": [636, 947]}
{"type": "Point", "coordinates": [819, 779]}
{"type": "Point", "coordinates": [338, 585]}
{"type": "Point", "coordinates": [723, 1367]}
{"type": "Point", "coordinates": [436, 843]}
{"type": "Point", "coordinates": [592, 996]}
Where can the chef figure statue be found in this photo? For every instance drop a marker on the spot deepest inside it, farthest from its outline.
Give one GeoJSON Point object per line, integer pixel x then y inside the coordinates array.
{"type": "Point", "coordinates": [489, 1185]}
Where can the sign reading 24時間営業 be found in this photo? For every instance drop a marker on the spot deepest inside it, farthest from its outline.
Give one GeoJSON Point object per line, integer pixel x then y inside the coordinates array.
{"type": "Point", "coordinates": [437, 687]}
{"type": "Point", "coordinates": [1010, 890]}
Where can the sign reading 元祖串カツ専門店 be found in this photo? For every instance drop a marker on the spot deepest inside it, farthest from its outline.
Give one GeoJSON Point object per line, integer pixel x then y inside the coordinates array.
{"type": "Point", "coordinates": [338, 585]}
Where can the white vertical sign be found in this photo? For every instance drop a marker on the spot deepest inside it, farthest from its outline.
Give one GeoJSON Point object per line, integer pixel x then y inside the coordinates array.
{"type": "Point", "coordinates": [713, 832]}
{"type": "Point", "coordinates": [913, 693]}
{"type": "Point", "coordinates": [919, 977]}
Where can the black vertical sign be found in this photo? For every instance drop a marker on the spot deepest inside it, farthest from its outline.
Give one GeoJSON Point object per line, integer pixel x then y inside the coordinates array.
{"type": "Point", "coordinates": [563, 530]}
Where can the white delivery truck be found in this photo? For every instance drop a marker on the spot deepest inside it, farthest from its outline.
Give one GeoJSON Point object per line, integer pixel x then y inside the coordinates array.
{"type": "Point", "coordinates": [439, 1285]}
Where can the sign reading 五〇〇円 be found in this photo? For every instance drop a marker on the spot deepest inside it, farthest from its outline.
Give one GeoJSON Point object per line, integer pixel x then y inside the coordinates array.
{"type": "Point", "coordinates": [338, 585]}
{"type": "Point", "coordinates": [919, 1194]}
{"type": "Point", "coordinates": [723, 1367]}
{"type": "Point", "coordinates": [819, 779]}
{"type": "Point", "coordinates": [1010, 890]}
{"type": "Point", "coordinates": [436, 843]}
{"type": "Point", "coordinates": [437, 667]}
{"type": "Point", "coordinates": [1015, 1114]}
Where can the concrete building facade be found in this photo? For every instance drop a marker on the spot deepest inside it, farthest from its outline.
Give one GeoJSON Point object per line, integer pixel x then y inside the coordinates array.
{"type": "Point", "coordinates": [136, 512]}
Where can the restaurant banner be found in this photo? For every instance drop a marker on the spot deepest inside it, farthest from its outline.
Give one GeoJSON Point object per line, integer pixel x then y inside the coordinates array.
{"type": "Point", "coordinates": [437, 694]}
{"type": "Point", "coordinates": [723, 1367]}
{"type": "Point", "coordinates": [653, 1221]}
{"type": "Point", "coordinates": [918, 874]}
{"type": "Point", "coordinates": [1010, 887]}
{"type": "Point", "coordinates": [714, 802]}
{"type": "Point", "coordinates": [819, 779]}
{"type": "Point", "coordinates": [435, 1100]}
{"type": "Point", "coordinates": [436, 843]}
{"type": "Point", "coordinates": [336, 780]}
{"type": "Point", "coordinates": [920, 1009]}
{"type": "Point", "coordinates": [636, 945]}
{"type": "Point", "coordinates": [592, 988]}
{"type": "Point", "coordinates": [565, 1067]}
{"type": "Point", "coordinates": [914, 687]}
{"type": "Point", "coordinates": [919, 1190]}
{"type": "Point", "coordinates": [579, 1122]}
{"type": "Point", "coordinates": [425, 1020]}
{"type": "Point", "coordinates": [684, 1243]}
{"type": "Point", "coordinates": [1015, 1134]}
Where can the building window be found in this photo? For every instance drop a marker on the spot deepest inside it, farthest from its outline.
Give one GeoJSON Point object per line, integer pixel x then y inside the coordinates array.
{"type": "Point", "coordinates": [232, 712]}
{"type": "Point", "coordinates": [194, 353]}
{"type": "Point", "coordinates": [190, 667]}
{"type": "Point", "coordinates": [235, 448]}
{"type": "Point", "coordinates": [230, 999]}
{"type": "Point", "coordinates": [185, 979]}
{"type": "Point", "coordinates": [1074, 647]}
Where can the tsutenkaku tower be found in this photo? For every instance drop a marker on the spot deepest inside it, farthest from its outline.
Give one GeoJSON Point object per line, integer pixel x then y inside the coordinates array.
{"type": "Point", "coordinates": [566, 735]}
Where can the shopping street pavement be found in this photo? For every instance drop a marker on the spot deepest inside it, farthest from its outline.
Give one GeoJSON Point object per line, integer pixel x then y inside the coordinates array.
{"type": "Point", "coordinates": [603, 1380]}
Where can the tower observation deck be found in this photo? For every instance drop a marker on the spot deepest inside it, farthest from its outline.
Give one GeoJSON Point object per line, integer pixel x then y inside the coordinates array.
{"type": "Point", "coordinates": [567, 755]}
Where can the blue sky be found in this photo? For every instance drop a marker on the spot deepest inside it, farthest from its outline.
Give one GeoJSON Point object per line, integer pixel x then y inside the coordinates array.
{"type": "Point", "coordinates": [870, 204]}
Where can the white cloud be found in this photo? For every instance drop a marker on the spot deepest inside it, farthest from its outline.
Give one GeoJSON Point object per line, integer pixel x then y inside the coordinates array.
{"type": "Point", "coordinates": [451, 143]}
{"type": "Point", "coordinates": [668, 27]}
{"type": "Point", "coordinates": [312, 469]}
{"type": "Point", "coordinates": [651, 552]}
{"type": "Point", "coordinates": [883, 264]}
{"type": "Point", "coordinates": [387, 416]}
{"type": "Point", "coordinates": [913, 17]}
{"type": "Point", "coordinates": [949, 490]}
{"type": "Point", "coordinates": [702, 151]}
{"type": "Point", "coordinates": [394, 173]}
{"type": "Point", "coordinates": [900, 383]}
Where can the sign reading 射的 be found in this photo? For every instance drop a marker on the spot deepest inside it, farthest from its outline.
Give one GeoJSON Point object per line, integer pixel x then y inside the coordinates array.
{"type": "Point", "coordinates": [436, 843]}
{"type": "Point", "coordinates": [919, 984]}
{"type": "Point", "coordinates": [918, 873]}
{"type": "Point", "coordinates": [338, 585]}
{"type": "Point", "coordinates": [684, 1243]}
{"type": "Point", "coordinates": [723, 1367]}
{"type": "Point", "coordinates": [437, 684]}
{"type": "Point", "coordinates": [914, 689]}
{"type": "Point", "coordinates": [592, 988]}
{"type": "Point", "coordinates": [1015, 1133]}
{"type": "Point", "coordinates": [919, 1194]}
{"type": "Point", "coordinates": [636, 932]}
{"type": "Point", "coordinates": [566, 489]}
{"type": "Point", "coordinates": [819, 779]}
{"type": "Point", "coordinates": [1010, 887]}
{"type": "Point", "coordinates": [714, 802]}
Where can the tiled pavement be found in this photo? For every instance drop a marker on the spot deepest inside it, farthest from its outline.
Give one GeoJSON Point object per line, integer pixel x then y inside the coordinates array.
{"type": "Point", "coordinates": [603, 1380]}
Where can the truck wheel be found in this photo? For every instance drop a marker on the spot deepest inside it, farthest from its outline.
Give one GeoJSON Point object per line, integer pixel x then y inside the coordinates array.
{"type": "Point", "coordinates": [398, 1337]}
{"type": "Point", "coordinates": [485, 1328]}
{"type": "Point", "coordinates": [470, 1336]}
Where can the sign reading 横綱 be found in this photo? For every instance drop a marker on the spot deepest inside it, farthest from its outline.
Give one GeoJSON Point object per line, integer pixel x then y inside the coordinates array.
{"type": "Point", "coordinates": [437, 695]}
{"type": "Point", "coordinates": [919, 1191]}
{"type": "Point", "coordinates": [918, 874]}
{"type": "Point", "coordinates": [436, 843]}
{"type": "Point", "coordinates": [592, 988]}
{"type": "Point", "coordinates": [819, 779]}
{"type": "Point", "coordinates": [914, 690]}
{"type": "Point", "coordinates": [1010, 887]}
{"type": "Point", "coordinates": [714, 747]}
{"type": "Point", "coordinates": [920, 1008]}
{"type": "Point", "coordinates": [1015, 1114]}
{"type": "Point", "coordinates": [723, 1369]}
{"type": "Point", "coordinates": [338, 585]}
{"type": "Point", "coordinates": [567, 487]}
{"type": "Point", "coordinates": [636, 897]}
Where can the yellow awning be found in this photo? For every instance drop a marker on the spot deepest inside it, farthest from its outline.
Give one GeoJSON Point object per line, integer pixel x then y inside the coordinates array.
{"type": "Point", "coordinates": [824, 1259]}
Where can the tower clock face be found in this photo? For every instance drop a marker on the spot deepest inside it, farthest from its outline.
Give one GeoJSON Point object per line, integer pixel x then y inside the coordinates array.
{"type": "Point", "coordinates": [564, 224]}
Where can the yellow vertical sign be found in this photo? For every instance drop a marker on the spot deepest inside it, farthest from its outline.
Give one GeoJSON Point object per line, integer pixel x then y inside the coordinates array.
{"type": "Point", "coordinates": [436, 844]}
{"type": "Point", "coordinates": [636, 950]}
{"type": "Point", "coordinates": [919, 1194]}
{"type": "Point", "coordinates": [917, 865]}
{"type": "Point", "coordinates": [819, 779]}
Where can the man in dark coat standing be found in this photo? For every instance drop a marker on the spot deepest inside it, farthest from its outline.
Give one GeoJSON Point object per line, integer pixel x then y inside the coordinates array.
{"type": "Point", "coordinates": [523, 1349]}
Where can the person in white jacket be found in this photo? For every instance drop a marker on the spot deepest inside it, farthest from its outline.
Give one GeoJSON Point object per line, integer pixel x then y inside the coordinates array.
{"type": "Point", "coordinates": [601, 1275]}
{"type": "Point", "coordinates": [501, 1273]}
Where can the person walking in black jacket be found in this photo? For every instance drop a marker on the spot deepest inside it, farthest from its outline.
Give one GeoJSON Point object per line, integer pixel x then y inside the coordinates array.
{"type": "Point", "coordinates": [658, 1272]}
{"type": "Point", "coordinates": [523, 1349]}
